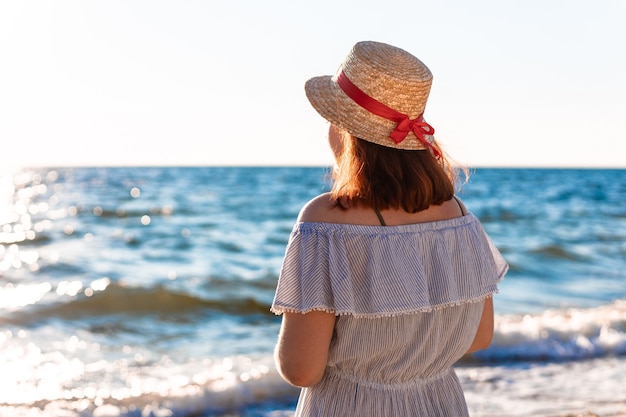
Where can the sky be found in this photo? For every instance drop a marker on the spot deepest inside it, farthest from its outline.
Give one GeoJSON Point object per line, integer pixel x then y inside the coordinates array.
{"type": "Point", "coordinates": [220, 82]}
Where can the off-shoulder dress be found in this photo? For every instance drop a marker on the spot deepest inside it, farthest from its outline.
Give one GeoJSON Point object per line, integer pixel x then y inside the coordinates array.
{"type": "Point", "coordinates": [408, 301]}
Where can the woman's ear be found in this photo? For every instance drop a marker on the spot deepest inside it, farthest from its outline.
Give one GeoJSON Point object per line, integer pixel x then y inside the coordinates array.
{"type": "Point", "coordinates": [335, 140]}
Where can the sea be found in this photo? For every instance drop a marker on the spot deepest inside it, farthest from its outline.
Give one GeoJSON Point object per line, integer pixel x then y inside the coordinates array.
{"type": "Point", "coordinates": [145, 291]}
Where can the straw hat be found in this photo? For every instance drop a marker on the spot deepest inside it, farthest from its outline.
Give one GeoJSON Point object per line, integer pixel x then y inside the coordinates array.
{"type": "Point", "coordinates": [386, 74]}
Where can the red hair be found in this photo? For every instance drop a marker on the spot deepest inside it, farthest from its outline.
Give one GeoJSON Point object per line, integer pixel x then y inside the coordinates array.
{"type": "Point", "coordinates": [381, 177]}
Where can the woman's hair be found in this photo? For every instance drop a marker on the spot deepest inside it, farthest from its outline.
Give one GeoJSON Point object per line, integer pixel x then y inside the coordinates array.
{"type": "Point", "coordinates": [381, 177]}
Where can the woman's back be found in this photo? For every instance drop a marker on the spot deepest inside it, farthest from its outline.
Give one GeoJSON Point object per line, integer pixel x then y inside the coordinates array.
{"type": "Point", "coordinates": [408, 300]}
{"type": "Point", "coordinates": [396, 365]}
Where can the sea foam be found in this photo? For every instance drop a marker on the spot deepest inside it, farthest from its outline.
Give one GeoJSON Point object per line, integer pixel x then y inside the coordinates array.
{"type": "Point", "coordinates": [559, 334]}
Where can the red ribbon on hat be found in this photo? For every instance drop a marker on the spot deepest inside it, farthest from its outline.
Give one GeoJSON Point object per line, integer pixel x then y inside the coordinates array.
{"type": "Point", "coordinates": [404, 123]}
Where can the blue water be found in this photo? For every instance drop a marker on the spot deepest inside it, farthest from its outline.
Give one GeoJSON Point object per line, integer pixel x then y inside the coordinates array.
{"type": "Point", "coordinates": [145, 291]}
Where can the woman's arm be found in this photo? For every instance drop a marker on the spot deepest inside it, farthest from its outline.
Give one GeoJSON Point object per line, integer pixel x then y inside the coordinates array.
{"type": "Point", "coordinates": [484, 334]}
{"type": "Point", "coordinates": [302, 349]}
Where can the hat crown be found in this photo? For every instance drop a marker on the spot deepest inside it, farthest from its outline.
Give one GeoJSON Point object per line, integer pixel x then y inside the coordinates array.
{"type": "Point", "coordinates": [390, 75]}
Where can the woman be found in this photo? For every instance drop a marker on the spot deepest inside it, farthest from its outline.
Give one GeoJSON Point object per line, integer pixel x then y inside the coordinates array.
{"type": "Point", "coordinates": [387, 280]}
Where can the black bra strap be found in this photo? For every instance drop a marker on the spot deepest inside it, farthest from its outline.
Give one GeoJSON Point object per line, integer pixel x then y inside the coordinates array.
{"type": "Point", "coordinates": [380, 217]}
{"type": "Point", "coordinates": [461, 206]}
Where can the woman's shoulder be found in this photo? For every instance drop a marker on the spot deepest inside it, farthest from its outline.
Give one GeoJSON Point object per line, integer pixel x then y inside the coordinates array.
{"type": "Point", "coordinates": [325, 209]}
{"type": "Point", "coordinates": [322, 208]}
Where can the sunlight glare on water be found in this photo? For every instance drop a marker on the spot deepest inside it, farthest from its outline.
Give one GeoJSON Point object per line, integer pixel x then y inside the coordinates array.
{"type": "Point", "coordinates": [13, 297]}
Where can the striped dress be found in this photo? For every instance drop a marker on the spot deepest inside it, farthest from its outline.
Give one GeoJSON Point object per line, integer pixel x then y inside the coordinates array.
{"type": "Point", "coordinates": [408, 301]}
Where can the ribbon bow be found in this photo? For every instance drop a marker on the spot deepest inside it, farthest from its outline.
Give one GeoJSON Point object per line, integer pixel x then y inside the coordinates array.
{"type": "Point", "coordinates": [404, 124]}
{"type": "Point", "coordinates": [418, 126]}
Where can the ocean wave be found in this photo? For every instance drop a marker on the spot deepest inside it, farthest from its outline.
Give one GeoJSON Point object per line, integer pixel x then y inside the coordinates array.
{"type": "Point", "coordinates": [559, 335]}
{"type": "Point", "coordinates": [120, 300]}
{"type": "Point", "coordinates": [557, 252]}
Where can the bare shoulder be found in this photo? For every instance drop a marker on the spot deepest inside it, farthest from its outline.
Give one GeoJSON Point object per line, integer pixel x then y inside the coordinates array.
{"type": "Point", "coordinates": [320, 209]}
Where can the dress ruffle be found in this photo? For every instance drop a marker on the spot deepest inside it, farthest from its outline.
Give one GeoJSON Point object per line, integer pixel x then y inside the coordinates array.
{"type": "Point", "coordinates": [380, 271]}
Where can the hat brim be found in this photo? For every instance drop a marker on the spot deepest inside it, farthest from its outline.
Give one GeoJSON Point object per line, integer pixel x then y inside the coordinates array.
{"type": "Point", "coordinates": [329, 100]}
